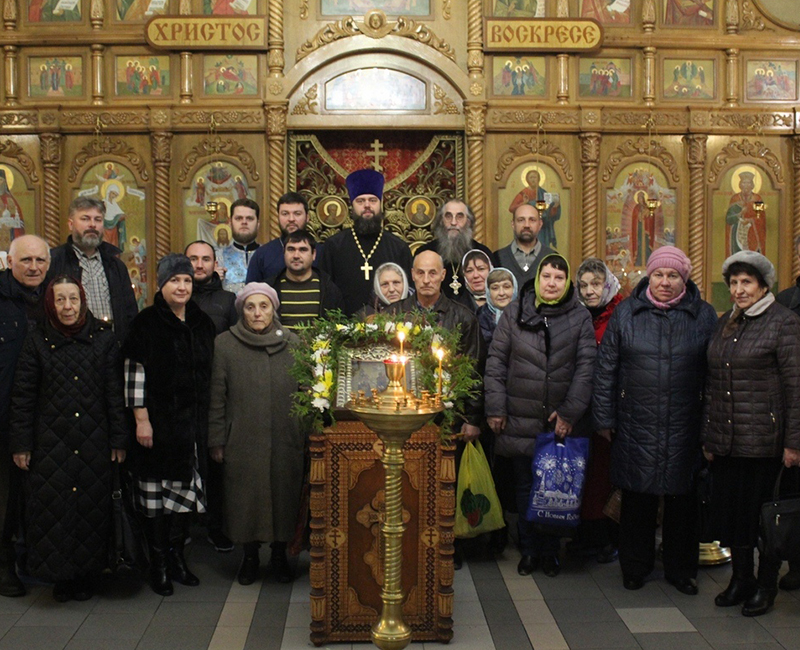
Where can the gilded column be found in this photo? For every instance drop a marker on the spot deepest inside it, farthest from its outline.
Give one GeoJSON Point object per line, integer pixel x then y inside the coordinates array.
{"type": "Point", "coordinates": [50, 152]}
{"type": "Point", "coordinates": [476, 131]}
{"type": "Point", "coordinates": [563, 78]}
{"type": "Point", "coordinates": [795, 202]}
{"type": "Point", "coordinates": [12, 82]}
{"type": "Point", "coordinates": [732, 77]}
{"type": "Point", "coordinates": [696, 160]}
{"type": "Point", "coordinates": [276, 153]}
{"type": "Point", "coordinates": [475, 44]}
{"type": "Point", "coordinates": [275, 59]}
{"type": "Point", "coordinates": [649, 75]}
{"type": "Point", "coordinates": [649, 16]}
{"type": "Point", "coordinates": [732, 16]}
{"type": "Point", "coordinates": [97, 74]}
{"type": "Point", "coordinates": [9, 14]}
{"type": "Point", "coordinates": [590, 161]}
{"type": "Point", "coordinates": [161, 146]}
{"type": "Point", "coordinates": [97, 14]}
{"type": "Point", "coordinates": [186, 78]}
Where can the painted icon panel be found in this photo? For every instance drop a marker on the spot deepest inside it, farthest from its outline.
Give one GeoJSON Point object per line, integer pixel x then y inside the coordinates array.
{"type": "Point", "coordinates": [142, 76]}
{"type": "Point", "coordinates": [604, 78]}
{"type": "Point", "coordinates": [771, 80]}
{"type": "Point", "coordinates": [519, 76]}
{"type": "Point", "coordinates": [689, 79]}
{"type": "Point", "coordinates": [56, 77]}
{"type": "Point", "coordinates": [230, 74]}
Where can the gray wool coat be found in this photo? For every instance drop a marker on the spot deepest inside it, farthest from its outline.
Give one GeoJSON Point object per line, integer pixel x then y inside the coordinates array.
{"type": "Point", "coordinates": [251, 399]}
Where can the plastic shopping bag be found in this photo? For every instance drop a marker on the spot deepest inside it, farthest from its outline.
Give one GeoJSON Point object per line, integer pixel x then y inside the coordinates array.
{"type": "Point", "coordinates": [559, 469]}
{"type": "Point", "coordinates": [477, 506]}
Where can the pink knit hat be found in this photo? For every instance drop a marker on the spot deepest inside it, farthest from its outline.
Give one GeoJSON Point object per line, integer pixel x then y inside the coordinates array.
{"type": "Point", "coordinates": [669, 257]}
{"type": "Point", "coordinates": [252, 289]}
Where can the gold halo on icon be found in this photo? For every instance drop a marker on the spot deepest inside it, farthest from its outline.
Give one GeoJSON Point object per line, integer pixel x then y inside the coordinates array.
{"type": "Point", "coordinates": [412, 214]}
{"type": "Point", "coordinates": [533, 168]}
{"type": "Point", "coordinates": [339, 213]}
{"type": "Point", "coordinates": [112, 183]}
{"type": "Point", "coordinates": [757, 178]}
{"type": "Point", "coordinates": [222, 226]}
{"type": "Point", "coordinates": [9, 176]}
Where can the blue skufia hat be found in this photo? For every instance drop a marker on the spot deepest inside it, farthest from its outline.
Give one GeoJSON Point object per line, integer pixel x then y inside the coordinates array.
{"type": "Point", "coordinates": [364, 181]}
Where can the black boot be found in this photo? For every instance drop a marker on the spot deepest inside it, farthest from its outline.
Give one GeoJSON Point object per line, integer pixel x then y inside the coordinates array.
{"type": "Point", "coordinates": [158, 541]}
{"type": "Point", "coordinates": [178, 570]}
{"type": "Point", "coordinates": [791, 580]}
{"type": "Point", "coordinates": [10, 584]}
{"type": "Point", "coordinates": [248, 572]}
{"type": "Point", "coordinates": [764, 598]}
{"type": "Point", "coordinates": [743, 585]}
{"type": "Point", "coordinates": [280, 563]}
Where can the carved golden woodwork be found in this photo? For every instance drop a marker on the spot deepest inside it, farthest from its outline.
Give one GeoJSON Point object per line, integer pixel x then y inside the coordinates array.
{"type": "Point", "coordinates": [447, 9]}
{"type": "Point", "coordinates": [97, 13]}
{"type": "Point", "coordinates": [696, 161]}
{"type": "Point", "coordinates": [161, 148]}
{"type": "Point", "coordinates": [649, 16]}
{"type": "Point", "coordinates": [107, 146]}
{"type": "Point", "coordinates": [12, 84]}
{"type": "Point", "coordinates": [795, 203]}
{"type": "Point", "coordinates": [11, 150]}
{"type": "Point", "coordinates": [590, 161]}
{"type": "Point", "coordinates": [732, 77]}
{"type": "Point", "coordinates": [303, 9]}
{"type": "Point", "coordinates": [649, 94]}
{"type": "Point", "coordinates": [275, 60]}
{"type": "Point", "coordinates": [750, 20]}
{"type": "Point", "coordinates": [562, 9]}
{"type": "Point", "coordinates": [732, 16]}
{"type": "Point", "coordinates": [9, 14]}
{"type": "Point", "coordinates": [745, 149]}
{"type": "Point", "coordinates": [97, 74]}
{"type": "Point", "coordinates": [276, 157]}
{"type": "Point", "coordinates": [186, 80]}
{"type": "Point", "coordinates": [50, 145]}
{"type": "Point", "coordinates": [308, 105]}
{"type": "Point", "coordinates": [562, 96]}
{"type": "Point", "coordinates": [533, 147]}
{"type": "Point", "coordinates": [476, 146]}
{"type": "Point", "coordinates": [475, 41]}
{"type": "Point", "coordinates": [214, 147]}
{"type": "Point", "coordinates": [346, 501]}
{"type": "Point", "coordinates": [442, 103]}
{"type": "Point", "coordinates": [641, 147]}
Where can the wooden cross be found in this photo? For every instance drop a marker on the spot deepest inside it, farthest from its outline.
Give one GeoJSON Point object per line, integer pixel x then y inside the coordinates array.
{"type": "Point", "coordinates": [376, 154]}
{"type": "Point", "coordinates": [366, 268]}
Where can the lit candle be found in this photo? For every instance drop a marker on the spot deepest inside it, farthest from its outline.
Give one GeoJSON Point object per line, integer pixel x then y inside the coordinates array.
{"type": "Point", "coordinates": [440, 355]}
{"type": "Point", "coordinates": [402, 336]}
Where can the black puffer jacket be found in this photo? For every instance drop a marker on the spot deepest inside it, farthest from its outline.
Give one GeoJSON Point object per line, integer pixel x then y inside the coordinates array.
{"type": "Point", "coordinates": [648, 386]}
{"type": "Point", "coordinates": [540, 361]}
{"type": "Point", "coordinates": [753, 386]}
{"type": "Point", "coordinates": [176, 357]}
{"type": "Point", "coordinates": [67, 409]}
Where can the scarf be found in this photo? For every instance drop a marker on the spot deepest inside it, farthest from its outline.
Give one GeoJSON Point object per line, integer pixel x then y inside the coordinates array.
{"type": "Point", "coordinates": [50, 308]}
{"type": "Point", "coordinates": [669, 303]}
{"type": "Point", "coordinates": [738, 315]}
{"type": "Point", "coordinates": [541, 301]}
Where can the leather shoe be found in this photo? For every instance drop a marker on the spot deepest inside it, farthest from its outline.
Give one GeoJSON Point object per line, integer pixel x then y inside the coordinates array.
{"type": "Point", "coordinates": [686, 586]}
{"type": "Point", "coordinates": [527, 565]}
{"type": "Point", "coordinates": [632, 582]}
{"type": "Point", "coordinates": [791, 580]}
{"type": "Point", "coordinates": [737, 592]}
{"type": "Point", "coordinates": [551, 566]}
{"type": "Point", "coordinates": [607, 554]}
{"type": "Point", "coordinates": [248, 572]}
{"type": "Point", "coordinates": [760, 603]}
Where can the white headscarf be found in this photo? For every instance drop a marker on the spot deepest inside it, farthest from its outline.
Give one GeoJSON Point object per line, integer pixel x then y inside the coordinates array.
{"type": "Point", "coordinates": [376, 282]}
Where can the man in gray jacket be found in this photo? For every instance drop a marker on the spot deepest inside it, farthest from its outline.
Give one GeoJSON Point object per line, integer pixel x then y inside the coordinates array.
{"type": "Point", "coordinates": [522, 256]}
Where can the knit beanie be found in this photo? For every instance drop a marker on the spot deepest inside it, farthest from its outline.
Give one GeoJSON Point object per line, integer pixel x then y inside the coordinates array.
{"type": "Point", "coordinates": [172, 265]}
{"type": "Point", "coordinates": [253, 288]}
{"type": "Point", "coordinates": [669, 257]}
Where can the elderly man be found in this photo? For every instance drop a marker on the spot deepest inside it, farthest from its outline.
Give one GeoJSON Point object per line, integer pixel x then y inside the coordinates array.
{"type": "Point", "coordinates": [305, 293]}
{"type": "Point", "coordinates": [235, 258]}
{"type": "Point", "coordinates": [96, 265]}
{"type": "Point", "coordinates": [20, 310]}
{"type": "Point", "coordinates": [452, 238]}
{"type": "Point", "coordinates": [268, 260]}
{"type": "Point", "coordinates": [522, 255]}
{"type": "Point", "coordinates": [352, 255]}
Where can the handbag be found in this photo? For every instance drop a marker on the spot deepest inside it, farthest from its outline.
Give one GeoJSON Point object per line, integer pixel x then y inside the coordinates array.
{"type": "Point", "coordinates": [477, 506]}
{"type": "Point", "coordinates": [559, 470]}
{"type": "Point", "coordinates": [780, 524]}
{"type": "Point", "coordinates": [613, 507]}
{"type": "Point", "coordinates": [126, 552]}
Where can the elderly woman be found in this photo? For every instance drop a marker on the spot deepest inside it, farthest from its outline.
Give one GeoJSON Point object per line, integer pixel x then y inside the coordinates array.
{"type": "Point", "coordinates": [168, 371]}
{"type": "Point", "coordinates": [598, 291]}
{"type": "Point", "coordinates": [67, 428]}
{"type": "Point", "coordinates": [538, 378]}
{"type": "Point", "coordinates": [475, 265]}
{"type": "Point", "coordinates": [648, 388]}
{"type": "Point", "coordinates": [752, 421]}
{"type": "Point", "coordinates": [252, 431]}
{"type": "Point", "coordinates": [501, 289]}
{"type": "Point", "coordinates": [390, 285]}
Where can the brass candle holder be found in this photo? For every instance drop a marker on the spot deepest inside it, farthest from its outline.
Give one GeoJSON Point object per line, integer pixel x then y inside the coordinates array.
{"type": "Point", "coordinates": [541, 205]}
{"type": "Point", "coordinates": [652, 206]}
{"type": "Point", "coordinates": [393, 414]}
{"type": "Point", "coordinates": [211, 208]}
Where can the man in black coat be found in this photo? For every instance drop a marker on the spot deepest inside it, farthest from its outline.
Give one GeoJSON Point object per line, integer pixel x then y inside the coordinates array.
{"type": "Point", "coordinates": [20, 310]}
{"type": "Point", "coordinates": [96, 265]}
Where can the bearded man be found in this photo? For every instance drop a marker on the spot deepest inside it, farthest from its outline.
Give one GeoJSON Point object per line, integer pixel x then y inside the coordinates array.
{"type": "Point", "coordinates": [452, 239]}
{"type": "Point", "coordinates": [352, 255]}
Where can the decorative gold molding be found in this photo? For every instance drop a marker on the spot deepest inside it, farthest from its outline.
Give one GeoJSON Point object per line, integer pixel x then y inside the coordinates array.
{"type": "Point", "coordinates": [276, 120]}
{"type": "Point", "coordinates": [475, 39]}
{"type": "Point", "coordinates": [275, 59]}
{"type": "Point", "coordinates": [732, 77]}
{"type": "Point", "coordinates": [161, 150]}
{"type": "Point", "coordinates": [447, 12]}
{"type": "Point", "coordinates": [639, 118]}
{"type": "Point", "coordinates": [476, 88]}
{"type": "Point", "coordinates": [532, 117]}
{"type": "Point", "coordinates": [732, 16]}
{"type": "Point", "coordinates": [276, 156]}
{"type": "Point", "coordinates": [19, 118]}
{"type": "Point", "coordinates": [215, 147]}
{"type": "Point", "coordinates": [375, 25]}
{"type": "Point", "coordinates": [562, 9]}
{"type": "Point", "coordinates": [649, 94]}
{"type": "Point", "coordinates": [106, 146]}
{"type": "Point", "coordinates": [696, 161]}
{"type": "Point", "coordinates": [9, 14]}
{"type": "Point", "coordinates": [751, 120]}
{"type": "Point", "coordinates": [443, 104]}
{"type": "Point", "coordinates": [745, 149]}
{"type": "Point", "coordinates": [649, 16]}
{"type": "Point", "coordinates": [50, 153]}
{"type": "Point", "coordinates": [751, 21]}
{"type": "Point", "coordinates": [187, 77]}
{"type": "Point", "coordinates": [12, 74]}
{"type": "Point", "coordinates": [98, 69]}
{"type": "Point", "coordinates": [10, 149]}
{"type": "Point", "coordinates": [641, 147]}
{"type": "Point", "coordinates": [303, 9]}
{"type": "Point", "coordinates": [109, 118]}
{"type": "Point", "coordinates": [186, 117]}
{"type": "Point", "coordinates": [590, 160]}
{"type": "Point", "coordinates": [97, 13]}
{"type": "Point", "coordinates": [307, 105]}
{"type": "Point", "coordinates": [539, 147]}
{"type": "Point", "coordinates": [476, 147]}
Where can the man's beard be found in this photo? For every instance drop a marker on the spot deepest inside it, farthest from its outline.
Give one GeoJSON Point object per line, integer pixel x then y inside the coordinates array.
{"type": "Point", "coordinates": [242, 239]}
{"type": "Point", "coordinates": [85, 242]}
{"type": "Point", "coordinates": [453, 249]}
{"type": "Point", "coordinates": [367, 227]}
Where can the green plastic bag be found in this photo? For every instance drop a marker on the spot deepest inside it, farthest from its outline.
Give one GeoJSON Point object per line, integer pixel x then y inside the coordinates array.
{"type": "Point", "coordinates": [477, 506]}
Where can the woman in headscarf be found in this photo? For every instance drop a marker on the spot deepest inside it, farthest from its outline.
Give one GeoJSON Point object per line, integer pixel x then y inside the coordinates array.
{"type": "Point", "coordinates": [501, 289]}
{"type": "Point", "coordinates": [538, 378]}
{"type": "Point", "coordinates": [253, 432]}
{"type": "Point", "coordinates": [67, 428]}
{"type": "Point", "coordinates": [390, 285]}
{"type": "Point", "coordinates": [648, 398]}
{"type": "Point", "coordinates": [168, 371]}
{"type": "Point", "coordinates": [598, 291]}
{"type": "Point", "coordinates": [752, 421]}
{"type": "Point", "coordinates": [476, 265]}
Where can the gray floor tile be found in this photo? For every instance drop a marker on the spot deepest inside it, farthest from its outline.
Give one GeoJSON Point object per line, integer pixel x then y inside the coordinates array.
{"type": "Point", "coordinates": [114, 626]}
{"type": "Point", "coordinates": [47, 612]}
{"type": "Point", "coordinates": [588, 610]}
{"type": "Point", "coordinates": [492, 590]}
{"type": "Point", "coordinates": [130, 600]}
{"type": "Point", "coordinates": [20, 605]}
{"type": "Point", "coordinates": [207, 594]}
{"type": "Point", "coordinates": [568, 586]}
{"type": "Point", "coordinates": [7, 621]}
{"type": "Point", "coordinates": [500, 613]}
{"type": "Point", "coordinates": [195, 637]}
{"type": "Point", "coordinates": [270, 614]}
{"type": "Point", "coordinates": [36, 638]}
{"type": "Point", "coordinates": [731, 630]}
{"type": "Point", "coordinates": [767, 645]}
{"type": "Point", "coordinates": [651, 595]}
{"type": "Point", "coordinates": [786, 613]}
{"type": "Point", "coordinates": [103, 644]}
{"type": "Point", "coordinates": [674, 641]}
{"type": "Point", "coordinates": [185, 614]}
{"type": "Point", "coordinates": [264, 638]}
{"type": "Point", "coordinates": [788, 637]}
{"type": "Point", "coordinates": [643, 620]}
{"type": "Point", "coordinates": [509, 637]}
{"type": "Point", "coordinates": [612, 634]}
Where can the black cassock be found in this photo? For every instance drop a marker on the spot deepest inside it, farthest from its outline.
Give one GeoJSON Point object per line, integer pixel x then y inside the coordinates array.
{"type": "Point", "coordinates": [342, 261]}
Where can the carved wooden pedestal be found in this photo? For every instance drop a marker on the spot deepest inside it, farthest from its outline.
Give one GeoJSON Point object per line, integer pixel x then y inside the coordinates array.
{"type": "Point", "coordinates": [346, 556]}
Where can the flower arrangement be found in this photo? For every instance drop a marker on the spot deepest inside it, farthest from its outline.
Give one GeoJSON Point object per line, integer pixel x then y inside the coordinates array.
{"type": "Point", "coordinates": [317, 359]}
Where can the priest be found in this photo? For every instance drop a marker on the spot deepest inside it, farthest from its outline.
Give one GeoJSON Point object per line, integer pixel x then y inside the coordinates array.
{"type": "Point", "coordinates": [351, 256]}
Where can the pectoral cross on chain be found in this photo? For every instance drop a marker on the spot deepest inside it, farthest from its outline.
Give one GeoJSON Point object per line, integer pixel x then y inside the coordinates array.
{"type": "Point", "coordinates": [366, 267]}
{"type": "Point", "coordinates": [455, 285]}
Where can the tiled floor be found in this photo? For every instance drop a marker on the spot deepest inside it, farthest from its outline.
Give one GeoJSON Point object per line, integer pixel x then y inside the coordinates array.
{"type": "Point", "coordinates": [583, 608]}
